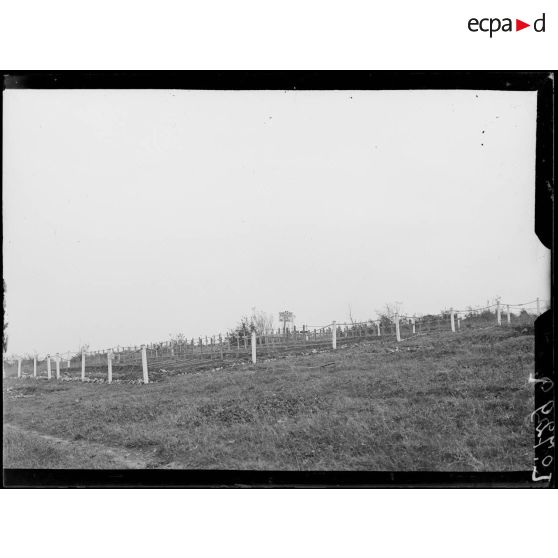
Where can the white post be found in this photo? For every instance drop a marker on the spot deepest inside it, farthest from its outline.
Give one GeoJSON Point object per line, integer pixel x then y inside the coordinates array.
{"type": "Point", "coordinates": [334, 335]}
{"type": "Point", "coordinates": [19, 368]}
{"type": "Point", "coordinates": [49, 370]}
{"type": "Point", "coordinates": [397, 332]}
{"type": "Point", "coordinates": [413, 325]}
{"type": "Point", "coordinates": [109, 363]}
{"type": "Point", "coordinates": [35, 366]}
{"type": "Point", "coordinates": [82, 365]}
{"type": "Point", "coordinates": [144, 364]}
{"type": "Point", "coordinates": [378, 326]}
{"type": "Point", "coordinates": [452, 320]}
{"type": "Point", "coordinates": [498, 314]}
{"type": "Point", "coordinates": [458, 322]}
{"type": "Point", "coordinates": [253, 347]}
{"type": "Point", "coordinates": [508, 317]}
{"type": "Point", "coordinates": [57, 366]}
{"type": "Point", "coordinates": [69, 360]}
{"type": "Point", "coordinates": [538, 307]}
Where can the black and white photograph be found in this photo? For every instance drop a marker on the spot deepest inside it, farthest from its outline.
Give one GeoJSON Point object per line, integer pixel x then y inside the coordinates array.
{"type": "Point", "coordinates": [258, 277]}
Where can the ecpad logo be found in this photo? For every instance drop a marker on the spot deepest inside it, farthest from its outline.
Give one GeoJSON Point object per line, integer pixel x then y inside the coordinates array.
{"type": "Point", "coordinates": [492, 25]}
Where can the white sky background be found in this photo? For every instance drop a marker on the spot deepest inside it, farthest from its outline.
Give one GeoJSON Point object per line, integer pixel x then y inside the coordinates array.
{"type": "Point", "coordinates": [130, 215]}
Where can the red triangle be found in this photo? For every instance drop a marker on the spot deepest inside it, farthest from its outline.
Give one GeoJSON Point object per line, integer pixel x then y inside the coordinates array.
{"type": "Point", "coordinates": [519, 25]}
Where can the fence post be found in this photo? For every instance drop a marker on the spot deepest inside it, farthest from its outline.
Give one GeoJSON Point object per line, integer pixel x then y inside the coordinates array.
{"type": "Point", "coordinates": [57, 366]}
{"type": "Point", "coordinates": [538, 307]}
{"type": "Point", "coordinates": [378, 326]}
{"type": "Point", "coordinates": [254, 347]}
{"type": "Point", "coordinates": [144, 364]}
{"type": "Point", "coordinates": [458, 323]}
{"type": "Point", "coordinates": [452, 320]}
{"type": "Point", "coordinates": [413, 318]}
{"type": "Point", "coordinates": [49, 369]}
{"type": "Point", "coordinates": [221, 345]}
{"type": "Point", "coordinates": [334, 335]}
{"type": "Point", "coordinates": [498, 314]}
{"type": "Point", "coordinates": [508, 317]}
{"type": "Point", "coordinates": [82, 365]}
{"type": "Point", "coordinates": [397, 331]}
{"type": "Point", "coordinates": [19, 368]}
{"type": "Point", "coordinates": [109, 366]}
{"type": "Point", "coordinates": [35, 366]}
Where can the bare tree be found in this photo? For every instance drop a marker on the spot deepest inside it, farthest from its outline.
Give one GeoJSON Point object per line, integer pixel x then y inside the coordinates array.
{"type": "Point", "coordinates": [262, 321]}
{"type": "Point", "coordinates": [389, 310]}
{"type": "Point", "coordinates": [178, 338]}
{"type": "Point", "coordinates": [258, 321]}
{"type": "Point", "coordinates": [386, 315]}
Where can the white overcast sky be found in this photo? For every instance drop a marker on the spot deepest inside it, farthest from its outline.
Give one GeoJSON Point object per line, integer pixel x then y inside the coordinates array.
{"type": "Point", "coordinates": [130, 215]}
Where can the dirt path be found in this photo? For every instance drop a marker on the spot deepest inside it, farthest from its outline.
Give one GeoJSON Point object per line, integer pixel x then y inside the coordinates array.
{"type": "Point", "coordinates": [117, 458]}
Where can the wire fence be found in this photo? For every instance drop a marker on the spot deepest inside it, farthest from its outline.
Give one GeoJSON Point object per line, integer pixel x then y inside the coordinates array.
{"type": "Point", "coordinates": [145, 363]}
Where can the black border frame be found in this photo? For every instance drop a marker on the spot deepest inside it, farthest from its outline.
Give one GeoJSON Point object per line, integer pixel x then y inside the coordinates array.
{"type": "Point", "coordinates": [545, 325]}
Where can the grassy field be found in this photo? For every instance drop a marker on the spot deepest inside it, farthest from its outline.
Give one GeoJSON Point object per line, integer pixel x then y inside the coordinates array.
{"type": "Point", "coordinates": [438, 402]}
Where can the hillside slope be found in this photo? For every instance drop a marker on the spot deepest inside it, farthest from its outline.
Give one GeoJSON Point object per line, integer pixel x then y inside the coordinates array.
{"type": "Point", "coordinates": [453, 402]}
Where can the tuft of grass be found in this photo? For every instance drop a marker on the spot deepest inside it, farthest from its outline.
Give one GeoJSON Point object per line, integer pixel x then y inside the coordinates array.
{"type": "Point", "coordinates": [453, 402]}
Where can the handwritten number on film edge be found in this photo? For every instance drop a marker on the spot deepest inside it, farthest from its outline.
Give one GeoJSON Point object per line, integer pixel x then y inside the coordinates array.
{"type": "Point", "coordinates": [544, 424]}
